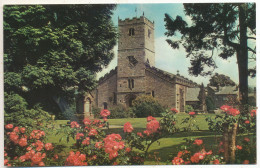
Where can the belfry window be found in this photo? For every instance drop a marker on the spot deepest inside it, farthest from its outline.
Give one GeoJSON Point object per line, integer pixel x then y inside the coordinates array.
{"type": "Point", "coordinates": [149, 33]}
{"type": "Point", "coordinates": [132, 61]}
{"type": "Point", "coordinates": [131, 32]}
{"type": "Point", "coordinates": [153, 93]}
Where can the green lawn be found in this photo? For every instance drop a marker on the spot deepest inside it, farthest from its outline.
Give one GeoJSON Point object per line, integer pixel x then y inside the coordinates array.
{"type": "Point", "coordinates": [165, 149]}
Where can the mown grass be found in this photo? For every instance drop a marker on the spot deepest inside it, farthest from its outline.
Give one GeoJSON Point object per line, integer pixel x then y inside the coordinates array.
{"type": "Point", "coordinates": [165, 149]}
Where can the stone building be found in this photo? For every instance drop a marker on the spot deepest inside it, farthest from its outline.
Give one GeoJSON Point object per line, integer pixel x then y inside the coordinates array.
{"type": "Point", "coordinates": [136, 73]}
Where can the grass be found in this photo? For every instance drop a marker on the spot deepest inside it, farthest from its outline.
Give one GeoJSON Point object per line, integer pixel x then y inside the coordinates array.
{"type": "Point", "coordinates": [165, 149]}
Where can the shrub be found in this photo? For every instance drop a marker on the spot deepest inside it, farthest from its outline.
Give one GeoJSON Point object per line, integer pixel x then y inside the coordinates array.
{"type": "Point", "coordinates": [188, 108]}
{"type": "Point", "coordinates": [121, 112]}
{"type": "Point", "coordinates": [210, 104]}
{"type": "Point", "coordinates": [144, 106]}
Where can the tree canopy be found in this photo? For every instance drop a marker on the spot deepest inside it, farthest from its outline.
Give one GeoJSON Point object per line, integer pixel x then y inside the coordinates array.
{"type": "Point", "coordinates": [221, 80]}
{"type": "Point", "coordinates": [50, 49]}
{"type": "Point", "coordinates": [225, 28]}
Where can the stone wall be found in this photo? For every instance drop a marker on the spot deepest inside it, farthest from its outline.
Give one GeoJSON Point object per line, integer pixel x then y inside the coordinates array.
{"type": "Point", "coordinates": [163, 90]}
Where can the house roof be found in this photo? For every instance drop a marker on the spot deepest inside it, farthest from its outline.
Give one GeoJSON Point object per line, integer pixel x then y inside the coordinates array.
{"type": "Point", "coordinates": [192, 94]}
{"type": "Point", "coordinates": [227, 90]}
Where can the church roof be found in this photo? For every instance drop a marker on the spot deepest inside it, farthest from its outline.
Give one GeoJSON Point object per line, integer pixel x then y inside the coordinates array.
{"type": "Point", "coordinates": [192, 94]}
{"type": "Point", "coordinates": [107, 75]}
{"type": "Point", "coordinates": [167, 75]}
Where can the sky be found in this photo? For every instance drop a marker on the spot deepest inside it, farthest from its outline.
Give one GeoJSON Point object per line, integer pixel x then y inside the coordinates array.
{"type": "Point", "coordinates": [166, 58]}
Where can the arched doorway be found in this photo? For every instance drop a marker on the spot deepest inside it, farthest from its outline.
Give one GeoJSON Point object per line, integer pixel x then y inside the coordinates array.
{"type": "Point", "coordinates": [129, 99]}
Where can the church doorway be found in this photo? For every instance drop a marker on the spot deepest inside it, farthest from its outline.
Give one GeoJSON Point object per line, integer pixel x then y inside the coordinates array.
{"type": "Point", "coordinates": [129, 100]}
{"type": "Point", "coordinates": [87, 107]}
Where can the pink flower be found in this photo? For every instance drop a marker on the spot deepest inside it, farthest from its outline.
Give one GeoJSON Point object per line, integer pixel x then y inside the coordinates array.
{"type": "Point", "coordinates": [79, 135]}
{"type": "Point", "coordinates": [177, 161]}
{"type": "Point", "coordinates": [225, 108]}
{"type": "Point", "coordinates": [152, 126]}
{"type": "Point", "coordinates": [198, 142]}
{"type": "Point", "coordinates": [22, 130]}
{"type": "Point", "coordinates": [192, 113]}
{"type": "Point", "coordinates": [253, 113]}
{"type": "Point", "coordinates": [74, 124]}
{"type": "Point", "coordinates": [233, 112]}
{"type": "Point", "coordinates": [98, 145]}
{"type": "Point", "coordinates": [140, 134]}
{"type": "Point", "coordinates": [128, 149]}
{"type": "Point", "coordinates": [247, 122]}
{"type": "Point", "coordinates": [239, 147]}
{"type": "Point", "coordinates": [9, 126]}
{"type": "Point", "coordinates": [92, 132]}
{"type": "Point", "coordinates": [128, 127]}
{"type": "Point", "coordinates": [48, 146]}
{"type": "Point", "coordinates": [86, 141]}
{"type": "Point", "coordinates": [150, 118]}
{"type": "Point", "coordinates": [216, 161]}
{"type": "Point", "coordinates": [104, 113]}
{"type": "Point", "coordinates": [174, 110]}
{"type": "Point", "coordinates": [246, 139]}
{"type": "Point", "coordinates": [22, 142]}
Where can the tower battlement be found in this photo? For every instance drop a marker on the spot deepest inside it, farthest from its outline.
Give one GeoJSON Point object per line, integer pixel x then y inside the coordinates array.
{"type": "Point", "coordinates": [135, 20]}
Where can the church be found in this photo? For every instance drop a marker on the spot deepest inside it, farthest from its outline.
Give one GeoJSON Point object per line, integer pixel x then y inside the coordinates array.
{"type": "Point", "coordinates": [136, 73]}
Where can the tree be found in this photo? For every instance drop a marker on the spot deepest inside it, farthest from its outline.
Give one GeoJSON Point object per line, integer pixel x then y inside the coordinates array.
{"type": "Point", "coordinates": [224, 27]}
{"type": "Point", "coordinates": [221, 80]}
{"type": "Point", "coordinates": [49, 50]}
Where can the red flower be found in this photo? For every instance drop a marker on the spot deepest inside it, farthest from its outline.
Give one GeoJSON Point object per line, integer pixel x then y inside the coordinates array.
{"type": "Point", "coordinates": [39, 145]}
{"type": "Point", "coordinates": [98, 145]}
{"type": "Point", "coordinates": [239, 147]}
{"type": "Point", "coordinates": [246, 139]}
{"type": "Point", "coordinates": [9, 126]}
{"type": "Point", "coordinates": [128, 149]}
{"type": "Point", "coordinates": [48, 146]}
{"type": "Point", "coordinates": [74, 124]}
{"type": "Point", "coordinates": [247, 122]}
{"type": "Point", "coordinates": [55, 157]}
{"type": "Point", "coordinates": [86, 141]}
{"type": "Point", "coordinates": [150, 118]}
{"type": "Point", "coordinates": [253, 113]}
{"type": "Point", "coordinates": [140, 134]}
{"type": "Point", "coordinates": [128, 127]}
{"type": "Point", "coordinates": [104, 113]}
{"type": "Point", "coordinates": [41, 164]}
{"type": "Point", "coordinates": [87, 121]}
{"type": "Point", "coordinates": [177, 161]}
{"type": "Point", "coordinates": [14, 137]}
{"type": "Point", "coordinates": [79, 135]}
{"type": "Point", "coordinates": [36, 159]}
{"type": "Point", "coordinates": [22, 130]}
{"type": "Point", "coordinates": [16, 129]}
{"type": "Point", "coordinates": [225, 108]}
{"type": "Point", "coordinates": [192, 113]}
{"type": "Point", "coordinates": [22, 142]}
{"type": "Point", "coordinates": [76, 159]}
{"type": "Point", "coordinates": [216, 161]}
{"type": "Point", "coordinates": [197, 157]}
{"type": "Point", "coordinates": [92, 132]}
{"type": "Point", "coordinates": [233, 112]}
{"type": "Point", "coordinates": [5, 161]}
{"type": "Point", "coordinates": [152, 126]}
{"type": "Point", "coordinates": [174, 110]}
{"type": "Point", "coordinates": [198, 142]}
{"type": "Point", "coordinates": [246, 162]}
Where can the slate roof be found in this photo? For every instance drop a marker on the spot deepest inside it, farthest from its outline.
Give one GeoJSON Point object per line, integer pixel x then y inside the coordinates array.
{"type": "Point", "coordinates": [192, 94]}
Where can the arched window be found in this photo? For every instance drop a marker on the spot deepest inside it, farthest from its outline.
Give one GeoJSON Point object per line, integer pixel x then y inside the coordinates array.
{"type": "Point", "coordinates": [131, 32]}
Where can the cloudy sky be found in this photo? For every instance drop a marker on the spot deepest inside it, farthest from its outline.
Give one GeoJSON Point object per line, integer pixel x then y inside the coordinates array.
{"type": "Point", "coordinates": [167, 58]}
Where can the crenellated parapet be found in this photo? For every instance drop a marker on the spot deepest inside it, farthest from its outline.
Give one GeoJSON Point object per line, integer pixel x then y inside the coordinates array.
{"type": "Point", "coordinates": [135, 20]}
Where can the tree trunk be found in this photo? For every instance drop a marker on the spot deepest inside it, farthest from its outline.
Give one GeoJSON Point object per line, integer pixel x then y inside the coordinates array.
{"type": "Point", "coordinates": [242, 55]}
{"type": "Point", "coordinates": [233, 144]}
{"type": "Point", "coordinates": [226, 143]}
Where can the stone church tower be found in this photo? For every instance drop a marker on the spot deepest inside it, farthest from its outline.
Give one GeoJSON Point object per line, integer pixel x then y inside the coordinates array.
{"type": "Point", "coordinates": [136, 73]}
{"type": "Point", "coordinates": [135, 50]}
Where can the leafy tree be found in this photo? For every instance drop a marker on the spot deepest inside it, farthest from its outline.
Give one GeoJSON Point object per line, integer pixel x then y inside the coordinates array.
{"type": "Point", "coordinates": [221, 80]}
{"type": "Point", "coordinates": [225, 27]}
{"type": "Point", "coordinates": [51, 50]}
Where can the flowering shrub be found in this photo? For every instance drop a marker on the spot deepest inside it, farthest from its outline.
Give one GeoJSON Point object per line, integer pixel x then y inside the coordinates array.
{"type": "Point", "coordinates": [27, 149]}
{"type": "Point", "coordinates": [195, 153]}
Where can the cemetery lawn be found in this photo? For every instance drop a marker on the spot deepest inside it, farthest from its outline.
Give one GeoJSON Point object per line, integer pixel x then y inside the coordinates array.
{"type": "Point", "coordinates": [160, 153]}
